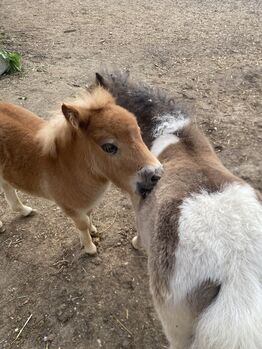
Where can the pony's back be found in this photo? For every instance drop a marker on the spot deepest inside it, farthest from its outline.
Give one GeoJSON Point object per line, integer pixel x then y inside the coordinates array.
{"type": "Point", "coordinates": [12, 116]}
{"type": "Point", "coordinates": [19, 150]}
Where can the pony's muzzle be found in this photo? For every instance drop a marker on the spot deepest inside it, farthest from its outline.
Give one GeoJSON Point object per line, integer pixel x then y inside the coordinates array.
{"type": "Point", "coordinates": [148, 178]}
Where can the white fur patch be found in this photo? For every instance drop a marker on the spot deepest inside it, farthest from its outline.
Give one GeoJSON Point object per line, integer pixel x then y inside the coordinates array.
{"type": "Point", "coordinates": [169, 123]}
{"type": "Point", "coordinates": [162, 142]}
{"type": "Point", "coordinates": [54, 131]}
{"type": "Point", "coordinates": [220, 239]}
{"type": "Point", "coordinates": [163, 133]}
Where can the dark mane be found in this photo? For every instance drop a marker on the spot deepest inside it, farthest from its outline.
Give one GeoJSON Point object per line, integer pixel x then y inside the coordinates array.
{"type": "Point", "coordinates": [144, 101]}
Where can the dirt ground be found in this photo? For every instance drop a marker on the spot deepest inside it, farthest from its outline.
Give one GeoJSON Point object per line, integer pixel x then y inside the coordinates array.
{"type": "Point", "coordinates": [207, 52]}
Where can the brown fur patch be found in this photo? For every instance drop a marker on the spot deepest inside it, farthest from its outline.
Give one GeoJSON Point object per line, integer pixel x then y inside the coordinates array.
{"type": "Point", "coordinates": [163, 246]}
{"type": "Point", "coordinates": [203, 296]}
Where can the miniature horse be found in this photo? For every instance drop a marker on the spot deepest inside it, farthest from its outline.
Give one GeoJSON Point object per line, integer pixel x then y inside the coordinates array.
{"type": "Point", "coordinates": [201, 227]}
{"type": "Point", "coordinates": [71, 159]}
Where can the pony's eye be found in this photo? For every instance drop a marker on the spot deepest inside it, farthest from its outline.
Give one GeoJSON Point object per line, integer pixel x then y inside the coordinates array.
{"type": "Point", "coordinates": [109, 148]}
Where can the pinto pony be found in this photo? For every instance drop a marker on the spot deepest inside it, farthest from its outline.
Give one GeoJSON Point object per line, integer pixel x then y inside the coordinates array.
{"type": "Point", "coordinates": [71, 158]}
{"type": "Point", "coordinates": [201, 227]}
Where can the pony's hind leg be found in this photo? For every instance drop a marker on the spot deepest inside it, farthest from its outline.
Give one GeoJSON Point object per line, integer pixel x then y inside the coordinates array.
{"type": "Point", "coordinates": [14, 201]}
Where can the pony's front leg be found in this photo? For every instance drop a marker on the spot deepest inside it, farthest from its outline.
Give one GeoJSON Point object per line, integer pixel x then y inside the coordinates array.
{"type": "Point", "coordinates": [136, 241]}
{"type": "Point", "coordinates": [83, 223]}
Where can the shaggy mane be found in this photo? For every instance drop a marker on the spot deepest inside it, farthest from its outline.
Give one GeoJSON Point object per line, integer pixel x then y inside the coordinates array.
{"type": "Point", "coordinates": [148, 104]}
{"type": "Point", "coordinates": [96, 99]}
{"type": "Point", "coordinates": [57, 132]}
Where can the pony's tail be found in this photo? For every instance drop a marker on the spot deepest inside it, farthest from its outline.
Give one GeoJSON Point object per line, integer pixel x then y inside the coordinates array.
{"type": "Point", "coordinates": [234, 320]}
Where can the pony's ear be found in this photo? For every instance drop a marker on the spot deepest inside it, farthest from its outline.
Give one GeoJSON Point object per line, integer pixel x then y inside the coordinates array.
{"type": "Point", "coordinates": [100, 80]}
{"type": "Point", "coordinates": [72, 115]}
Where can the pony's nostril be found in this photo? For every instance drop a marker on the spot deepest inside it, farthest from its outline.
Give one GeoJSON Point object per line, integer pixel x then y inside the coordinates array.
{"type": "Point", "coordinates": [155, 179]}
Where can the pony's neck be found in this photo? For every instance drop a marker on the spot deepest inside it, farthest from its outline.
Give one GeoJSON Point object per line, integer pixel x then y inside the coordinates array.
{"type": "Point", "coordinates": [78, 157]}
{"type": "Point", "coordinates": [66, 148]}
{"type": "Point", "coordinates": [192, 145]}
{"type": "Point", "coordinates": [195, 141]}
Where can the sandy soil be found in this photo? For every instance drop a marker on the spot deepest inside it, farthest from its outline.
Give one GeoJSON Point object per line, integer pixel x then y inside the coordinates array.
{"type": "Point", "coordinates": [208, 53]}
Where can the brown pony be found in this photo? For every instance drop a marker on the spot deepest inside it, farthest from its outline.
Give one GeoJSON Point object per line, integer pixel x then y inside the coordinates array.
{"type": "Point", "coordinates": [72, 159]}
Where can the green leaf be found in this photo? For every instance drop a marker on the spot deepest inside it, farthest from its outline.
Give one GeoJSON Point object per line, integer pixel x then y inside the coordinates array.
{"type": "Point", "coordinates": [13, 59]}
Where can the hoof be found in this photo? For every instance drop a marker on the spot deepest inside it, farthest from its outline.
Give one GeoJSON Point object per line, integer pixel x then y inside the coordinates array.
{"type": "Point", "coordinates": [2, 229]}
{"type": "Point", "coordinates": [135, 243]}
{"type": "Point", "coordinates": [93, 231]}
{"type": "Point", "coordinates": [91, 249]}
{"type": "Point", "coordinates": [28, 211]}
